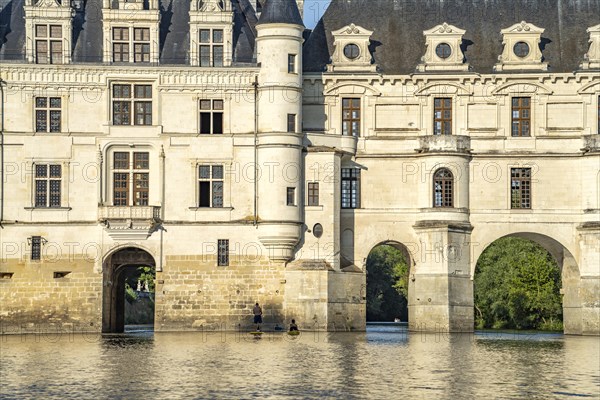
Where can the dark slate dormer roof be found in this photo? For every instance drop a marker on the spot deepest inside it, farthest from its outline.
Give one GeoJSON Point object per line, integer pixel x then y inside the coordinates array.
{"type": "Point", "coordinates": [280, 12]}
{"type": "Point", "coordinates": [87, 32]}
{"type": "Point", "coordinates": [398, 42]}
{"type": "Point", "coordinates": [12, 30]}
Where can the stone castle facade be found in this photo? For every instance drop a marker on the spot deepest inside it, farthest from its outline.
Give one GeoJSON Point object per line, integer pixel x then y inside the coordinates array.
{"type": "Point", "coordinates": [249, 160]}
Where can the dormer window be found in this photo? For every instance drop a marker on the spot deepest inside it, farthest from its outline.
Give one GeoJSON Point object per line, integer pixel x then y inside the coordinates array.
{"type": "Point", "coordinates": [211, 30]}
{"type": "Point", "coordinates": [131, 32]}
{"type": "Point", "coordinates": [48, 31]}
{"type": "Point", "coordinates": [521, 48]}
{"type": "Point", "coordinates": [444, 51]}
{"type": "Point", "coordinates": [352, 50]}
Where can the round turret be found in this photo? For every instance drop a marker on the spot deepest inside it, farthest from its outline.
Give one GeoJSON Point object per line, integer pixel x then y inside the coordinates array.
{"type": "Point", "coordinates": [280, 189]}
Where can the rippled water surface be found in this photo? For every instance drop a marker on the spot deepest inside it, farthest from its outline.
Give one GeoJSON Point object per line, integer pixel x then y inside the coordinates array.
{"type": "Point", "coordinates": [386, 362]}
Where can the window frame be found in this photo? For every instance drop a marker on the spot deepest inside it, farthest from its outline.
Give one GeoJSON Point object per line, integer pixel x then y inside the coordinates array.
{"type": "Point", "coordinates": [348, 122]}
{"type": "Point", "coordinates": [137, 171]}
{"type": "Point", "coordinates": [312, 194]}
{"type": "Point", "coordinates": [520, 119]}
{"type": "Point", "coordinates": [48, 110]}
{"type": "Point", "coordinates": [222, 252]}
{"type": "Point", "coordinates": [119, 41]}
{"type": "Point", "coordinates": [292, 63]}
{"type": "Point", "coordinates": [290, 196]}
{"type": "Point", "coordinates": [292, 126]}
{"type": "Point", "coordinates": [138, 104]}
{"type": "Point", "coordinates": [445, 105]}
{"type": "Point", "coordinates": [523, 193]}
{"type": "Point", "coordinates": [143, 44]}
{"type": "Point", "coordinates": [212, 113]}
{"type": "Point", "coordinates": [444, 186]}
{"type": "Point", "coordinates": [36, 248]}
{"type": "Point", "coordinates": [211, 180]}
{"type": "Point", "coordinates": [353, 191]}
{"type": "Point", "coordinates": [50, 56]}
{"type": "Point", "coordinates": [48, 193]}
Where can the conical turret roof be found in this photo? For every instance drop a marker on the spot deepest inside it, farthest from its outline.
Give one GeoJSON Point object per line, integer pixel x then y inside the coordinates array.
{"type": "Point", "coordinates": [280, 12]}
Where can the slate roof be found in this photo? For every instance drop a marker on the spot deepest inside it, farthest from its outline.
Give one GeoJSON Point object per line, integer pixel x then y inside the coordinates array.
{"type": "Point", "coordinates": [87, 32]}
{"type": "Point", "coordinates": [280, 11]}
{"type": "Point", "coordinates": [398, 42]}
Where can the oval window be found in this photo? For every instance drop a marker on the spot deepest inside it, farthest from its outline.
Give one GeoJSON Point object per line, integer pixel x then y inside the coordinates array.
{"type": "Point", "coordinates": [521, 49]}
{"type": "Point", "coordinates": [443, 50]}
{"type": "Point", "coordinates": [351, 51]}
{"type": "Point", "coordinates": [317, 230]}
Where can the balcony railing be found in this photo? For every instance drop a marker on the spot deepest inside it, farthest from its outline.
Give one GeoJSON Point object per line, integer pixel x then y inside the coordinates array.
{"type": "Point", "coordinates": [131, 213]}
{"type": "Point", "coordinates": [591, 143]}
{"type": "Point", "coordinates": [444, 143]}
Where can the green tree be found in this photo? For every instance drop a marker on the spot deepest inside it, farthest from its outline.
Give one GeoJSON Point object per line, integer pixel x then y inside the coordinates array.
{"type": "Point", "coordinates": [387, 284]}
{"type": "Point", "coordinates": [517, 286]}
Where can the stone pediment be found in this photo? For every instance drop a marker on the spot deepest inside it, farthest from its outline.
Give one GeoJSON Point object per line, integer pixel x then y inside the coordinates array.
{"type": "Point", "coordinates": [523, 27]}
{"type": "Point", "coordinates": [353, 30]}
{"type": "Point", "coordinates": [210, 6]}
{"type": "Point", "coordinates": [47, 3]}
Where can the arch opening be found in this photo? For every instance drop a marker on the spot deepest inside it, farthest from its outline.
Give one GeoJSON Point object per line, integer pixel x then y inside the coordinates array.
{"type": "Point", "coordinates": [527, 281]}
{"type": "Point", "coordinates": [128, 290]}
{"type": "Point", "coordinates": [388, 270]}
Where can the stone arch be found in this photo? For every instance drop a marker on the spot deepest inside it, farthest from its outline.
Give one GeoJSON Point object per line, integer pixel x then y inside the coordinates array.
{"type": "Point", "coordinates": [522, 87]}
{"type": "Point", "coordinates": [570, 274]}
{"type": "Point", "coordinates": [351, 88]}
{"type": "Point", "coordinates": [115, 265]}
{"type": "Point", "coordinates": [409, 256]}
{"type": "Point", "coordinates": [447, 88]}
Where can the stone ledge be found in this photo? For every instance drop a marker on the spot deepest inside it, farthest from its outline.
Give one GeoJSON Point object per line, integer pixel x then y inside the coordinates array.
{"type": "Point", "coordinates": [309, 265]}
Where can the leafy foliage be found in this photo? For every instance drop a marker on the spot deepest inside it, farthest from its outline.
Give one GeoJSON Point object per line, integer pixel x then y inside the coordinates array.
{"type": "Point", "coordinates": [387, 284]}
{"type": "Point", "coordinates": [517, 286]}
{"type": "Point", "coordinates": [147, 275]}
{"type": "Point", "coordinates": [130, 295]}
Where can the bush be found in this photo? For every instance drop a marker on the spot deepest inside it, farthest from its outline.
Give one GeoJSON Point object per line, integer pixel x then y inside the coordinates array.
{"type": "Point", "coordinates": [517, 286]}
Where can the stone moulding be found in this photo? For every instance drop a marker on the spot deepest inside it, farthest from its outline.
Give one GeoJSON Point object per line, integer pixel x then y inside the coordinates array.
{"type": "Point", "coordinates": [444, 143]}
{"type": "Point", "coordinates": [591, 144]}
{"type": "Point", "coordinates": [130, 223]}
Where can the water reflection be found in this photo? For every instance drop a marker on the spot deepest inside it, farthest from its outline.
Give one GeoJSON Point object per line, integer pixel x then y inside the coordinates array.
{"type": "Point", "coordinates": [384, 362]}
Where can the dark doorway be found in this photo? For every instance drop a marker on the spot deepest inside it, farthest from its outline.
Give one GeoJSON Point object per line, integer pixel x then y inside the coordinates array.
{"type": "Point", "coordinates": [128, 276]}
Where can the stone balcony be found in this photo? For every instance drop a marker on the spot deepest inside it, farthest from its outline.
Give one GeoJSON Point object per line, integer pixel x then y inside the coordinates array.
{"type": "Point", "coordinates": [129, 223]}
{"type": "Point", "coordinates": [591, 144]}
{"type": "Point", "coordinates": [444, 144]}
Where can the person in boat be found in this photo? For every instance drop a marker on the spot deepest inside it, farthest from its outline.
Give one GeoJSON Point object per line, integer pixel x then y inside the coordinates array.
{"type": "Point", "coordinates": [293, 326]}
{"type": "Point", "coordinates": [257, 311]}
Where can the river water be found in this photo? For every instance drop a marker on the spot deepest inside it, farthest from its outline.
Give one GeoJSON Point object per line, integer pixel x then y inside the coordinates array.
{"type": "Point", "coordinates": [386, 362]}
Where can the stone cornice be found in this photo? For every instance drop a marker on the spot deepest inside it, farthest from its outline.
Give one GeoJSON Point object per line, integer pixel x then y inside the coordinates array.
{"type": "Point", "coordinates": [79, 75]}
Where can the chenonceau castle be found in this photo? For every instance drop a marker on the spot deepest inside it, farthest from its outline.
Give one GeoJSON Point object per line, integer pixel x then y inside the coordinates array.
{"type": "Point", "coordinates": [248, 159]}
